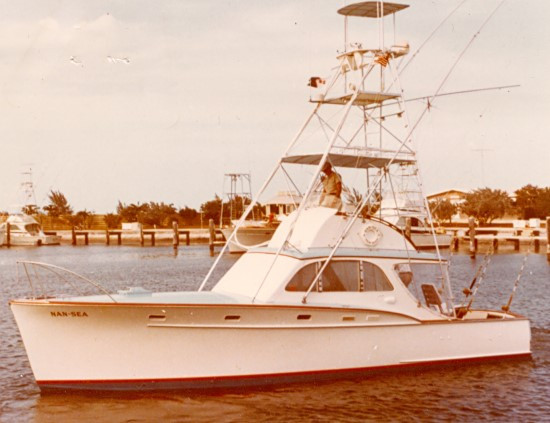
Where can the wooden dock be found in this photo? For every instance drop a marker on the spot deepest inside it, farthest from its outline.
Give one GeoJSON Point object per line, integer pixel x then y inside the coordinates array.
{"type": "Point", "coordinates": [499, 237]}
{"type": "Point", "coordinates": [119, 233]}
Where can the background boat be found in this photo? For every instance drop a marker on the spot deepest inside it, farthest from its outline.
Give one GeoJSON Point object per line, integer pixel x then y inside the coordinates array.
{"type": "Point", "coordinates": [26, 231]}
{"type": "Point", "coordinates": [253, 233]}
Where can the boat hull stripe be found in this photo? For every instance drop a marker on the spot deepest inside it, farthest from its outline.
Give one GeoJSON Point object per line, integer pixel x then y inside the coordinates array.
{"type": "Point", "coordinates": [220, 382]}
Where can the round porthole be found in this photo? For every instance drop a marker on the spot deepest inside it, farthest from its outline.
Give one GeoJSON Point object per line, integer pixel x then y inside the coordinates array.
{"type": "Point", "coordinates": [371, 235]}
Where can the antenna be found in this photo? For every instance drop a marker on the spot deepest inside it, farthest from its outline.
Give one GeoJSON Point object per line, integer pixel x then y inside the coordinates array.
{"type": "Point", "coordinates": [482, 152]}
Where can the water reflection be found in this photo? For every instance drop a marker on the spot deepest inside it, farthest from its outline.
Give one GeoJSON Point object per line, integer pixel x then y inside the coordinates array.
{"type": "Point", "coordinates": [458, 393]}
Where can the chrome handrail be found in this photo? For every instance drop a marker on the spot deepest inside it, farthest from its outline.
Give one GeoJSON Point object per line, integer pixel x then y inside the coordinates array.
{"type": "Point", "coordinates": [58, 271]}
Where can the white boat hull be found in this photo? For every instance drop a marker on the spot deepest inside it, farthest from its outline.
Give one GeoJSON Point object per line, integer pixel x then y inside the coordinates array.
{"type": "Point", "coordinates": [248, 237]}
{"type": "Point", "coordinates": [32, 240]}
{"type": "Point", "coordinates": [147, 346]}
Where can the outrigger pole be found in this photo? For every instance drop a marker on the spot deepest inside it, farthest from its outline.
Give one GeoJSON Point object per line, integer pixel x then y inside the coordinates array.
{"type": "Point", "coordinates": [429, 98]}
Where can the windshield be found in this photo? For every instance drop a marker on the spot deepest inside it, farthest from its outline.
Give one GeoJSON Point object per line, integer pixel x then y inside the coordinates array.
{"type": "Point", "coordinates": [33, 228]}
{"type": "Point", "coordinates": [426, 282]}
{"type": "Point", "coordinates": [341, 276]}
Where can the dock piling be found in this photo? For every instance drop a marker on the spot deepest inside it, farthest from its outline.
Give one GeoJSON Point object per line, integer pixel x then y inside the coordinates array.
{"type": "Point", "coordinates": [8, 235]}
{"type": "Point", "coordinates": [176, 237]}
{"type": "Point", "coordinates": [472, 234]}
{"type": "Point", "coordinates": [548, 238]}
{"type": "Point", "coordinates": [536, 241]}
{"type": "Point", "coordinates": [211, 236]}
{"type": "Point", "coordinates": [75, 234]}
{"type": "Point", "coordinates": [455, 242]}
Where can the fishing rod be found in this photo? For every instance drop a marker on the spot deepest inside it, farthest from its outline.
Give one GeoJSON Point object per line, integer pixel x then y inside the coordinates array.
{"type": "Point", "coordinates": [475, 284]}
{"type": "Point", "coordinates": [468, 291]}
{"type": "Point", "coordinates": [506, 307]}
{"type": "Point", "coordinates": [465, 311]}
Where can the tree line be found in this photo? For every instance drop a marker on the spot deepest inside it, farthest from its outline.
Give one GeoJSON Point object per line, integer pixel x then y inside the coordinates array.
{"type": "Point", "coordinates": [152, 214]}
{"type": "Point", "coordinates": [486, 205]}
{"type": "Point", "coordinates": [483, 204]}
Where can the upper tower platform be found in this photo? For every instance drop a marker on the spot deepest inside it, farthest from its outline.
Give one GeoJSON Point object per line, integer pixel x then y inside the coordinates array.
{"type": "Point", "coordinates": [371, 9]}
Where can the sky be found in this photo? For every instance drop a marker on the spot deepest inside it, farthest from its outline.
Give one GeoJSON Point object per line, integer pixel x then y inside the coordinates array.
{"type": "Point", "coordinates": [110, 101]}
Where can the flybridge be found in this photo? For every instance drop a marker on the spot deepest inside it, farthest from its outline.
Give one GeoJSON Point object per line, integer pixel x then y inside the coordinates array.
{"type": "Point", "coordinates": [357, 62]}
{"type": "Point", "coordinates": [356, 161]}
{"type": "Point", "coordinates": [364, 128]}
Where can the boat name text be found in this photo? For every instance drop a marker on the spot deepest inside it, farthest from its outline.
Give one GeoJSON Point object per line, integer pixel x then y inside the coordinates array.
{"type": "Point", "coordinates": [68, 314]}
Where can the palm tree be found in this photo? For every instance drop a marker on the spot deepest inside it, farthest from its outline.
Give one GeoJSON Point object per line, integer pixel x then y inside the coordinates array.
{"type": "Point", "coordinates": [59, 205]}
{"type": "Point", "coordinates": [355, 198]}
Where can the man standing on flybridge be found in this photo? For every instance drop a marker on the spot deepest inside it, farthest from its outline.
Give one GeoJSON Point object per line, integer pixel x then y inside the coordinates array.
{"type": "Point", "coordinates": [332, 188]}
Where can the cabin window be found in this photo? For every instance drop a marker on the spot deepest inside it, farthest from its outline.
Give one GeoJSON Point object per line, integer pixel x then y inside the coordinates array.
{"type": "Point", "coordinates": [338, 276]}
{"type": "Point", "coordinates": [341, 276]}
{"type": "Point", "coordinates": [302, 279]}
{"type": "Point", "coordinates": [374, 279]}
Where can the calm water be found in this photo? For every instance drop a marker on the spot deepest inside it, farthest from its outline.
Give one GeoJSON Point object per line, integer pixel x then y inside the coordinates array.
{"type": "Point", "coordinates": [508, 391]}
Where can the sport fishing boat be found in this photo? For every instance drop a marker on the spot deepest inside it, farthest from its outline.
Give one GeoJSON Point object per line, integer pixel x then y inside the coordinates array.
{"type": "Point", "coordinates": [335, 293]}
{"type": "Point", "coordinates": [24, 230]}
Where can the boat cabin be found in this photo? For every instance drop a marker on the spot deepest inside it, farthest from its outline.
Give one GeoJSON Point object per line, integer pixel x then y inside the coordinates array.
{"type": "Point", "coordinates": [372, 269]}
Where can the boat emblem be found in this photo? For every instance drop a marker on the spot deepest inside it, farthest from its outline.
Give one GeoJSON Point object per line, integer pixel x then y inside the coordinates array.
{"type": "Point", "coordinates": [371, 235]}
